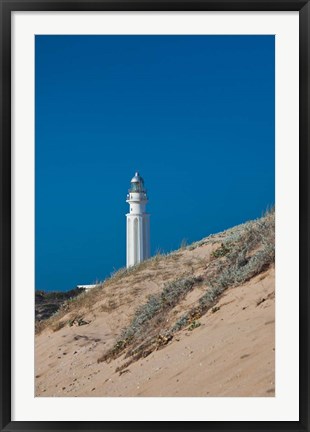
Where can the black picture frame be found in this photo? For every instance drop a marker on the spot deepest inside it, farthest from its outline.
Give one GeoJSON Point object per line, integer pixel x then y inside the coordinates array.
{"type": "Point", "coordinates": [9, 6]}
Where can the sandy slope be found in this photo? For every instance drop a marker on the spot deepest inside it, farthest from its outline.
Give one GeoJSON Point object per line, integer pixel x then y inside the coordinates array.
{"type": "Point", "coordinates": [232, 353]}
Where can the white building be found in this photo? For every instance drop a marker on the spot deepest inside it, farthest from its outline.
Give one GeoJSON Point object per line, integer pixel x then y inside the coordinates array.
{"type": "Point", "coordinates": [87, 287]}
{"type": "Point", "coordinates": [138, 223]}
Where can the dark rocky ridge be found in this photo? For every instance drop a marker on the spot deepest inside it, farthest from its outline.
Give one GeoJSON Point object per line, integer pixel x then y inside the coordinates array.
{"type": "Point", "coordinates": [48, 302]}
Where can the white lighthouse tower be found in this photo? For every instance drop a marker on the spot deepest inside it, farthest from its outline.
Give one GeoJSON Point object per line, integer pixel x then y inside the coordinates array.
{"type": "Point", "coordinates": [138, 223]}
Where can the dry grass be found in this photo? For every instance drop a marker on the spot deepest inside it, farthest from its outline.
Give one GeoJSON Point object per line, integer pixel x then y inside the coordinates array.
{"type": "Point", "coordinates": [245, 251]}
{"type": "Point", "coordinates": [87, 301]}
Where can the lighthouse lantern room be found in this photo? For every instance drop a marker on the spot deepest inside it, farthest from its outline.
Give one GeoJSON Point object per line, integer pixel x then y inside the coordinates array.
{"type": "Point", "coordinates": [138, 222]}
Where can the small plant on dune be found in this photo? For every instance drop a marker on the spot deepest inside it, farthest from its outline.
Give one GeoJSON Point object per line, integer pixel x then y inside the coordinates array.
{"type": "Point", "coordinates": [77, 321]}
{"type": "Point", "coordinates": [58, 325]}
{"type": "Point", "coordinates": [194, 325]}
{"type": "Point", "coordinates": [181, 323]}
{"type": "Point", "coordinates": [221, 251]}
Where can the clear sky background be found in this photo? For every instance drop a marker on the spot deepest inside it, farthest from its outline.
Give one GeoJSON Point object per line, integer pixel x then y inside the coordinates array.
{"type": "Point", "coordinates": [195, 116]}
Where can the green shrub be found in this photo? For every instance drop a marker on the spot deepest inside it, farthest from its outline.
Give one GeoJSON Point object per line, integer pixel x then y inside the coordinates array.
{"type": "Point", "coordinates": [248, 249]}
{"type": "Point", "coordinates": [151, 313]}
{"type": "Point", "coordinates": [221, 251]}
{"type": "Point", "coordinates": [194, 325]}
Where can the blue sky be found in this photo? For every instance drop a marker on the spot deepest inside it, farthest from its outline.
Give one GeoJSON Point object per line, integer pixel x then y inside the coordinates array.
{"type": "Point", "coordinates": [195, 116]}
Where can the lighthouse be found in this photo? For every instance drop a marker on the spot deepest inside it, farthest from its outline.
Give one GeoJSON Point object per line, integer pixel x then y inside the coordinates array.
{"type": "Point", "coordinates": [138, 222]}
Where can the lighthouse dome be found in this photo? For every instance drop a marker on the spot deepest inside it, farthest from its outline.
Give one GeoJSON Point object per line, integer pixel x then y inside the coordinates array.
{"type": "Point", "coordinates": [137, 178]}
{"type": "Point", "coordinates": [137, 183]}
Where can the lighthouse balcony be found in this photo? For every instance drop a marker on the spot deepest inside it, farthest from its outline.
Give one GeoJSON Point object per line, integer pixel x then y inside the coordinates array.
{"type": "Point", "coordinates": [137, 196]}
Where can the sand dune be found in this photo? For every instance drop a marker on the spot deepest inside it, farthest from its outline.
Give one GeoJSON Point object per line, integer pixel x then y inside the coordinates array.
{"type": "Point", "coordinates": [230, 353]}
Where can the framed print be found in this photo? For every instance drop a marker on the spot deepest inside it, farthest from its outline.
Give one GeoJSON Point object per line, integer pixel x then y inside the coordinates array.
{"type": "Point", "coordinates": [154, 207]}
